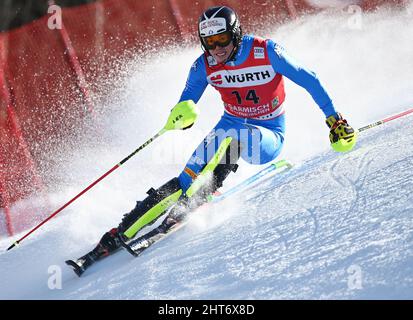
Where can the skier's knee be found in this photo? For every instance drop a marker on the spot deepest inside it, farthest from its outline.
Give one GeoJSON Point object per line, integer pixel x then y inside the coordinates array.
{"type": "Point", "coordinates": [218, 168]}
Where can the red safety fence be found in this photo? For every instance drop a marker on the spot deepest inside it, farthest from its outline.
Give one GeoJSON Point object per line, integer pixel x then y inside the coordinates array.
{"type": "Point", "coordinates": [48, 77]}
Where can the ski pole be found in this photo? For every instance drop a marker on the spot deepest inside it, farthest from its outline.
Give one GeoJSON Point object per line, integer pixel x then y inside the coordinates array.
{"type": "Point", "coordinates": [241, 186]}
{"type": "Point", "coordinates": [89, 187]}
{"type": "Point", "coordinates": [182, 116]}
{"type": "Point", "coordinates": [378, 123]}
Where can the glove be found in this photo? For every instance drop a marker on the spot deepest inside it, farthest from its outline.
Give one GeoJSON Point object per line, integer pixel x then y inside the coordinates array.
{"type": "Point", "coordinates": [342, 136]}
{"type": "Point", "coordinates": [182, 116]}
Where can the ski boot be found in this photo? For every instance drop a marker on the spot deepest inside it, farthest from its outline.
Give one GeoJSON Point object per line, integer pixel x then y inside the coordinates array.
{"type": "Point", "coordinates": [108, 244]}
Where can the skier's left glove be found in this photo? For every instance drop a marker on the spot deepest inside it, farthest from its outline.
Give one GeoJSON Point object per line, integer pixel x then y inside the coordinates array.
{"type": "Point", "coordinates": [182, 116]}
{"type": "Point", "coordinates": [342, 136]}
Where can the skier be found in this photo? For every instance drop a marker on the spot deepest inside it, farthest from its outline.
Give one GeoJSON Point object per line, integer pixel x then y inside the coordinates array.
{"type": "Point", "coordinates": [248, 73]}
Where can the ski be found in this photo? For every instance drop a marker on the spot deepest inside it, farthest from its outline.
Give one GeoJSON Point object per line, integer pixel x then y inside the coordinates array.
{"type": "Point", "coordinates": [80, 265]}
{"type": "Point", "coordinates": [78, 269]}
{"type": "Point", "coordinates": [281, 165]}
{"type": "Point", "coordinates": [137, 246]}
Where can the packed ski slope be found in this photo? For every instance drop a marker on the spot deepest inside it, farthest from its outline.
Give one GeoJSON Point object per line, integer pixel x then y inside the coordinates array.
{"type": "Point", "coordinates": [334, 227]}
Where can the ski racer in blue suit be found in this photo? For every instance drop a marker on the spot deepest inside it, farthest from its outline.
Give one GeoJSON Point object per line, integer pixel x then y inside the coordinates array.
{"type": "Point", "coordinates": [271, 129]}
{"type": "Point", "coordinates": [248, 73]}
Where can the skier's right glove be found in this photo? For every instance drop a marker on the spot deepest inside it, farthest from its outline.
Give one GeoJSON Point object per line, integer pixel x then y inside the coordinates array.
{"type": "Point", "coordinates": [183, 116]}
{"type": "Point", "coordinates": [342, 136]}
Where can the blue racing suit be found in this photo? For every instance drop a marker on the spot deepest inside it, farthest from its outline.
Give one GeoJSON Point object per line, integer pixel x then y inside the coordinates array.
{"type": "Point", "coordinates": [261, 140]}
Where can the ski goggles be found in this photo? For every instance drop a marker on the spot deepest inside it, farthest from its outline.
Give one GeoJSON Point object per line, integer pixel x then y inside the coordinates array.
{"type": "Point", "coordinates": [222, 40]}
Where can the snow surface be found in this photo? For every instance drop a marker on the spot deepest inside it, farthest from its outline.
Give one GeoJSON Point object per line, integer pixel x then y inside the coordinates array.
{"type": "Point", "coordinates": [334, 227]}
